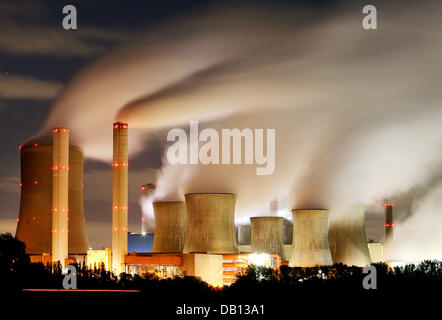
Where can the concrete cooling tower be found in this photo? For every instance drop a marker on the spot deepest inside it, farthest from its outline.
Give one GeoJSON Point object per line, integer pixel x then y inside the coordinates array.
{"type": "Point", "coordinates": [210, 223]}
{"type": "Point", "coordinates": [243, 234]}
{"type": "Point", "coordinates": [170, 229]}
{"type": "Point", "coordinates": [310, 245]}
{"type": "Point", "coordinates": [35, 218]}
{"type": "Point", "coordinates": [348, 242]}
{"type": "Point", "coordinates": [267, 235]}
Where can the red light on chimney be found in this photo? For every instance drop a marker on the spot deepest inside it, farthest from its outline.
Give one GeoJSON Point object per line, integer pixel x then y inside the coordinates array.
{"type": "Point", "coordinates": [55, 130]}
{"type": "Point", "coordinates": [21, 184]}
{"type": "Point", "coordinates": [142, 219]}
{"type": "Point", "coordinates": [389, 205]}
{"type": "Point", "coordinates": [35, 182]}
{"type": "Point", "coordinates": [35, 144]}
{"type": "Point", "coordinates": [34, 218]}
{"type": "Point", "coordinates": [143, 188]}
{"type": "Point", "coordinates": [20, 146]}
{"type": "Point", "coordinates": [116, 126]}
{"type": "Point", "coordinates": [18, 219]}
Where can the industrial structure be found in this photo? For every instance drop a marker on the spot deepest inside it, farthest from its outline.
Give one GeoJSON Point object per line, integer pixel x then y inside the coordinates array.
{"type": "Point", "coordinates": [196, 237]}
{"type": "Point", "coordinates": [120, 166]}
{"type": "Point", "coordinates": [348, 241]}
{"type": "Point", "coordinates": [310, 245]}
{"type": "Point", "coordinates": [267, 235]}
{"type": "Point", "coordinates": [389, 221]}
{"type": "Point", "coordinates": [210, 223]}
{"type": "Point", "coordinates": [147, 226]}
{"type": "Point", "coordinates": [60, 194]}
{"type": "Point", "coordinates": [34, 224]}
{"type": "Point", "coordinates": [170, 217]}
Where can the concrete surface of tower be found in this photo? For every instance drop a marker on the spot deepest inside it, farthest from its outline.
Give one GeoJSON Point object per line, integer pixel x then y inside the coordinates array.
{"type": "Point", "coordinates": [35, 218]}
{"type": "Point", "coordinates": [60, 194]}
{"type": "Point", "coordinates": [120, 166]}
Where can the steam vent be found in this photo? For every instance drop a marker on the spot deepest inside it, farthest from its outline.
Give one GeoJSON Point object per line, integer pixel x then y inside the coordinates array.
{"type": "Point", "coordinates": [210, 223]}
{"type": "Point", "coordinates": [310, 238]}
{"type": "Point", "coordinates": [348, 242]}
{"type": "Point", "coordinates": [267, 235]}
{"type": "Point", "coordinates": [35, 218]}
{"type": "Point", "coordinates": [170, 229]}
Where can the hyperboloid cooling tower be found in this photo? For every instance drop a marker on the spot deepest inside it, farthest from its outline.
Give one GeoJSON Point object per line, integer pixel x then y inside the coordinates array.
{"type": "Point", "coordinates": [210, 223]}
{"type": "Point", "coordinates": [310, 245]}
{"type": "Point", "coordinates": [147, 226]}
{"type": "Point", "coordinates": [170, 228]}
{"type": "Point", "coordinates": [35, 218]}
{"type": "Point", "coordinates": [243, 234]}
{"type": "Point", "coordinates": [267, 235]}
{"type": "Point", "coordinates": [120, 166]}
{"type": "Point", "coordinates": [348, 242]}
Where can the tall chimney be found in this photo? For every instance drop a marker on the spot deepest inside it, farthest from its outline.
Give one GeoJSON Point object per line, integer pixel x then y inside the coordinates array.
{"type": "Point", "coordinates": [119, 197]}
{"type": "Point", "coordinates": [389, 221]}
{"type": "Point", "coordinates": [147, 226]}
{"type": "Point", "coordinates": [60, 194]}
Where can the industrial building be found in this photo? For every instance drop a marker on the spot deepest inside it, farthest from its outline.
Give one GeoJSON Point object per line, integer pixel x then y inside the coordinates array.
{"type": "Point", "coordinates": [197, 237]}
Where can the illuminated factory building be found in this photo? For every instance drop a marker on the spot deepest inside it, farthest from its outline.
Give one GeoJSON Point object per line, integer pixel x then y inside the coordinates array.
{"type": "Point", "coordinates": [197, 237]}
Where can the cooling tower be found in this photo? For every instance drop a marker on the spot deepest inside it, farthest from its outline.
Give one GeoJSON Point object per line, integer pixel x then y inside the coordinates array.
{"type": "Point", "coordinates": [120, 166]}
{"type": "Point", "coordinates": [210, 223]}
{"type": "Point", "coordinates": [310, 246]}
{"type": "Point", "coordinates": [60, 192]}
{"type": "Point", "coordinates": [170, 228]}
{"type": "Point", "coordinates": [267, 235]}
{"type": "Point", "coordinates": [348, 242]}
{"type": "Point", "coordinates": [388, 221]}
{"type": "Point", "coordinates": [35, 219]}
{"type": "Point", "coordinates": [147, 226]}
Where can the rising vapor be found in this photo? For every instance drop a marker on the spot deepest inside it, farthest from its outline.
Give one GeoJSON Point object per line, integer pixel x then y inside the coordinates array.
{"type": "Point", "coordinates": [357, 113]}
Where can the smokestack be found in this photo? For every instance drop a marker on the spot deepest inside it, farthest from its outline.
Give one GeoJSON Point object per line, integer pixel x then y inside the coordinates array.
{"type": "Point", "coordinates": [267, 235]}
{"type": "Point", "coordinates": [60, 194]}
{"type": "Point", "coordinates": [210, 223]}
{"type": "Point", "coordinates": [310, 238]}
{"type": "Point", "coordinates": [147, 190]}
{"type": "Point", "coordinates": [348, 241]}
{"type": "Point", "coordinates": [170, 228]}
{"type": "Point", "coordinates": [388, 221]}
{"type": "Point", "coordinates": [119, 197]}
{"type": "Point", "coordinates": [35, 219]}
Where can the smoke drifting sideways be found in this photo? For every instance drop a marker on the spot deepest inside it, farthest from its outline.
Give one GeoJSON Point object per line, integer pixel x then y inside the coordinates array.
{"type": "Point", "coordinates": [357, 113]}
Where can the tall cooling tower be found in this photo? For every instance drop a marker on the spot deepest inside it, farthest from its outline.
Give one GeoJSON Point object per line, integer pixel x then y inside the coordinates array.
{"type": "Point", "coordinates": [267, 235]}
{"type": "Point", "coordinates": [310, 245]}
{"type": "Point", "coordinates": [35, 219]}
{"type": "Point", "coordinates": [170, 228]}
{"type": "Point", "coordinates": [120, 166]}
{"type": "Point", "coordinates": [348, 242]}
{"type": "Point", "coordinates": [210, 223]}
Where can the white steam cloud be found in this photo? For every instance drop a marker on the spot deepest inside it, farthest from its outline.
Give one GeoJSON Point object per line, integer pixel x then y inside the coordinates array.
{"type": "Point", "coordinates": [357, 113]}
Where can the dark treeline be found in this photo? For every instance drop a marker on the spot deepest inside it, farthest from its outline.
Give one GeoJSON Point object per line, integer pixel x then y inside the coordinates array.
{"type": "Point", "coordinates": [256, 285]}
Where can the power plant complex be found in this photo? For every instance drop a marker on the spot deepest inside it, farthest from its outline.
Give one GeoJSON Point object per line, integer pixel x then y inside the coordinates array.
{"type": "Point", "coordinates": [196, 237]}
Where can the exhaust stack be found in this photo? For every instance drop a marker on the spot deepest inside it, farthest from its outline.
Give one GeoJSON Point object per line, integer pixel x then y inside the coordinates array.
{"type": "Point", "coordinates": [210, 223]}
{"type": "Point", "coordinates": [310, 238]}
{"type": "Point", "coordinates": [119, 196]}
{"type": "Point", "coordinates": [389, 221]}
{"type": "Point", "coordinates": [170, 228]}
{"type": "Point", "coordinates": [60, 194]}
{"type": "Point", "coordinates": [267, 235]}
